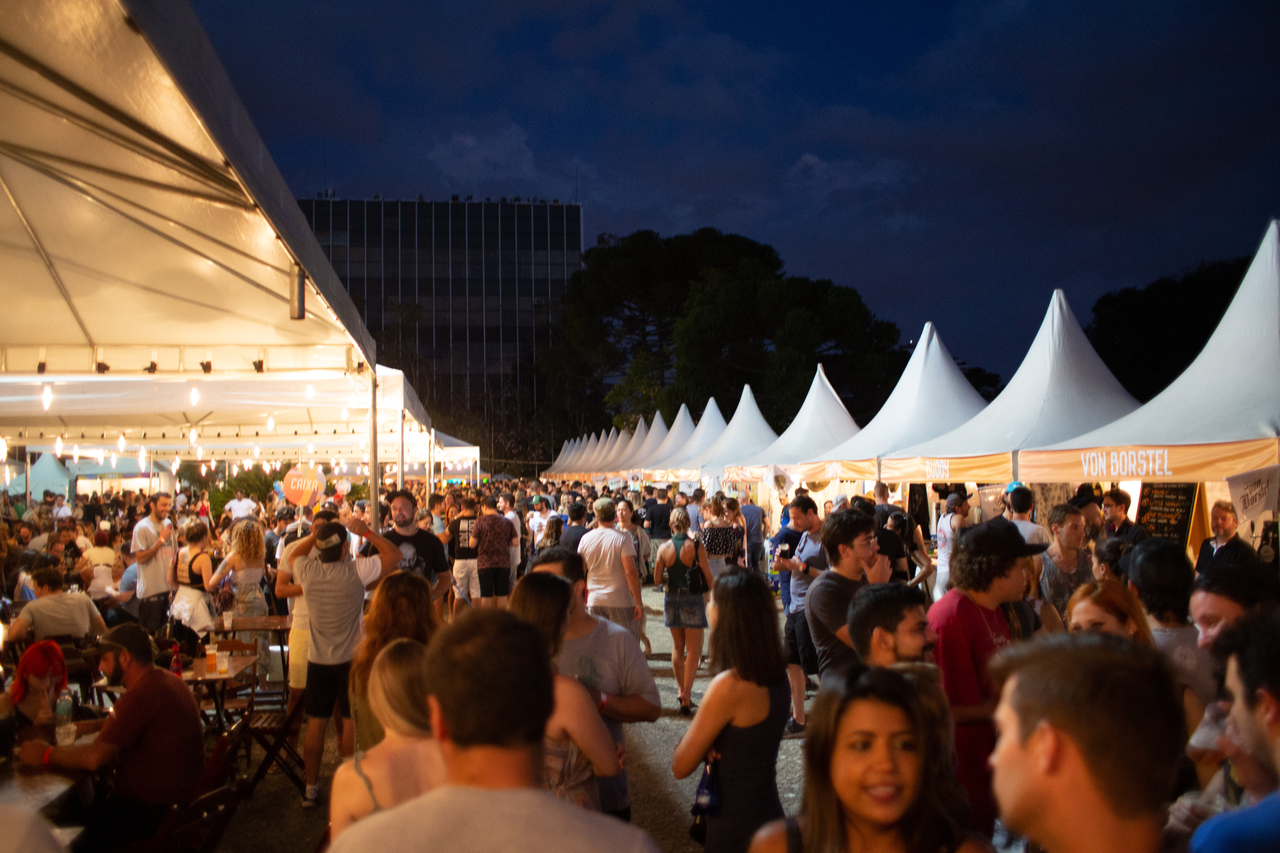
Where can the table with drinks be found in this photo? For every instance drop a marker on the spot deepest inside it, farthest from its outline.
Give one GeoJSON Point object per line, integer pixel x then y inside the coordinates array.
{"type": "Point", "coordinates": [230, 624]}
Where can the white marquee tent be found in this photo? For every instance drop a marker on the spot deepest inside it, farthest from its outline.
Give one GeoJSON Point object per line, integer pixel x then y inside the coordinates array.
{"type": "Point", "coordinates": [747, 432]}
{"type": "Point", "coordinates": [1061, 389]}
{"type": "Point", "coordinates": [821, 424]}
{"type": "Point", "coordinates": [1215, 420]}
{"type": "Point", "coordinates": [932, 397]}
{"type": "Point", "coordinates": [682, 428]}
{"type": "Point", "coordinates": [710, 427]}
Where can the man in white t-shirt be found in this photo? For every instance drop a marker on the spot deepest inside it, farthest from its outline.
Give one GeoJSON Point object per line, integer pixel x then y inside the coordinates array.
{"type": "Point", "coordinates": [507, 506]}
{"type": "Point", "coordinates": [60, 508]}
{"type": "Point", "coordinates": [1022, 501]}
{"type": "Point", "coordinates": [613, 580]}
{"type": "Point", "coordinates": [241, 506]}
{"type": "Point", "coordinates": [154, 549]}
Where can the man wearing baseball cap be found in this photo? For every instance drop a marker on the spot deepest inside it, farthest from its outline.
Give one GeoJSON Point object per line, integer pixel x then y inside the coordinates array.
{"type": "Point", "coordinates": [985, 573]}
{"type": "Point", "coordinates": [153, 736]}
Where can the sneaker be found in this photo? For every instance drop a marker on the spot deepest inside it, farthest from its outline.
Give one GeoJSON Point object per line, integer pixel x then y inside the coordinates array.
{"type": "Point", "coordinates": [311, 802]}
{"type": "Point", "coordinates": [793, 729]}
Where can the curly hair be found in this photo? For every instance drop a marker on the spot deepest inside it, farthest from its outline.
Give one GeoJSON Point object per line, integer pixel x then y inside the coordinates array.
{"type": "Point", "coordinates": [976, 572]}
{"type": "Point", "coordinates": [401, 608]}
{"type": "Point", "coordinates": [248, 541]}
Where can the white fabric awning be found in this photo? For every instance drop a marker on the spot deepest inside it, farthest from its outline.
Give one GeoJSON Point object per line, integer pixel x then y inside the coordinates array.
{"type": "Point", "coordinates": [746, 433]}
{"type": "Point", "coordinates": [710, 427]}
{"type": "Point", "coordinates": [143, 224]}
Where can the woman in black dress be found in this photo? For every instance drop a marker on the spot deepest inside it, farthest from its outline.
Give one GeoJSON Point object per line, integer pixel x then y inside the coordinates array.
{"type": "Point", "coordinates": [739, 724]}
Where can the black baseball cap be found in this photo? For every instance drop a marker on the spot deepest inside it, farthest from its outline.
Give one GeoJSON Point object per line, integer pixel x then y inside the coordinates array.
{"type": "Point", "coordinates": [999, 537]}
{"type": "Point", "coordinates": [130, 637]}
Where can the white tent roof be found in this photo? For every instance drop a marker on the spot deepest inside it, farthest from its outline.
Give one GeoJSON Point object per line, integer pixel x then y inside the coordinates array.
{"type": "Point", "coordinates": [747, 433]}
{"type": "Point", "coordinates": [682, 429]}
{"type": "Point", "coordinates": [1229, 397]}
{"type": "Point", "coordinates": [453, 449]}
{"type": "Point", "coordinates": [625, 450]}
{"type": "Point", "coordinates": [578, 467]}
{"type": "Point", "coordinates": [565, 447]}
{"type": "Point", "coordinates": [709, 429]}
{"type": "Point", "coordinates": [657, 434]}
{"type": "Point", "coordinates": [638, 439]}
{"type": "Point", "coordinates": [142, 221]}
{"type": "Point", "coordinates": [592, 465]}
{"type": "Point", "coordinates": [821, 424]}
{"type": "Point", "coordinates": [932, 397]}
{"type": "Point", "coordinates": [579, 453]}
{"type": "Point", "coordinates": [1061, 389]}
{"type": "Point", "coordinates": [567, 457]}
{"type": "Point", "coordinates": [620, 448]}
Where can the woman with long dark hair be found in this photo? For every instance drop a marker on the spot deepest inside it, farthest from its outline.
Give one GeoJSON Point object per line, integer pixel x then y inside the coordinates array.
{"type": "Point", "coordinates": [875, 775]}
{"type": "Point", "coordinates": [577, 746]}
{"type": "Point", "coordinates": [740, 723]}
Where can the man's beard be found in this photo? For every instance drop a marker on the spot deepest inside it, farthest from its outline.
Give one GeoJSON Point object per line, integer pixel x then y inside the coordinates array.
{"type": "Point", "coordinates": [116, 677]}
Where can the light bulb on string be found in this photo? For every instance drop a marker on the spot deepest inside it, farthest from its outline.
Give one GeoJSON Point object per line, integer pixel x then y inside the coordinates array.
{"type": "Point", "coordinates": [142, 459]}
{"type": "Point", "coordinates": [120, 442]}
{"type": "Point", "coordinates": [113, 462]}
{"type": "Point", "coordinates": [257, 451]}
{"type": "Point", "coordinates": [173, 467]}
{"type": "Point", "coordinates": [46, 397]}
{"type": "Point", "coordinates": [193, 435]}
{"type": "Point", "coordinates": [57, 447]}
{"type": "Point", "coordinates": [195, 396]}
{"type": "Point", "coordinates": [203, 470]}
{"type": "Point", "coordinates": [344, 413]}
{"type": "Point", "coordinates": [75, 453]}
{"type": "Point", "coordinates": [199, 453]}
{"type": "Point", "coordinates": [311, 391]}
{"type": "Point", "coordinates": [271, 423]}
{"type": "Point", "coordinates": [4, 449]}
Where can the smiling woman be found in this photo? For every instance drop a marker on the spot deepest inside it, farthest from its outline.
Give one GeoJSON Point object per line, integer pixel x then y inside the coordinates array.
{"type": "Point", "coordinates": [873, 766]}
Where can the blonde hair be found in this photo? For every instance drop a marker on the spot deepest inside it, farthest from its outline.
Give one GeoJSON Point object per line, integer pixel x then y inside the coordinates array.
{"type": "Point", "coordinates": [247, 542]}
{"type": "Point", "coordinates": [398, 688]}
{"type": "Point", "coordinates": [679, 520]}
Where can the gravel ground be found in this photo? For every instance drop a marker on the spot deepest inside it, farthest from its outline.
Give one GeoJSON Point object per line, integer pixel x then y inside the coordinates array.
{"type": "Point", "coordinates": [272, 821]}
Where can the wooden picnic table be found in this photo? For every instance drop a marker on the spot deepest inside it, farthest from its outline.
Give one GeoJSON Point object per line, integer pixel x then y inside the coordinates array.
{"type": "Point", "coordinates": [216, 682]}
{"type": "Point", "coordinates": [35, 788]}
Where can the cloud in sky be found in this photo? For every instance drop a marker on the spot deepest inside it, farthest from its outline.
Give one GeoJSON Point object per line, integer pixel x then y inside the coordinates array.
{"type": "Point", "coordinates": [954, 161]}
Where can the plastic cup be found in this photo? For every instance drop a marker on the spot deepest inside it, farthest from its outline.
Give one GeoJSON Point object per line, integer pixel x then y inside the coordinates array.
{"type": "Point", "coordinates": [226, 620]}
{"type": "Point", "coordinates": [211, 657]}
{"type": "Point", "coordinates": [66, 734]}
{"type": "Point", "coordinates": [224, 662]}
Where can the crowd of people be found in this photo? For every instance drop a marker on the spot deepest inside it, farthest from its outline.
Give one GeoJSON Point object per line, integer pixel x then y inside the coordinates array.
{"type": "Point", "coordinates": [1050, 677]}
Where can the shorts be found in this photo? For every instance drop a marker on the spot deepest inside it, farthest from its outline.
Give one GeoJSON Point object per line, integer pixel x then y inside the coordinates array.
{"type": "Point", "coordinates": [326, 684]}
{"type": "Point", "coordinates": [684, 609]}
{"type": "Point", "coordinates": [466, 580]}
{"type": "Point", "coordinates": [654, 545]}
{"type": "Point", "coordinates": [495, 582]}
{"type": "Point", "coordinates": [620, 616]}
{"type": "Point", "coordinates": [299, 644]}
{"type": "Point", "coordinates": [799, 645]}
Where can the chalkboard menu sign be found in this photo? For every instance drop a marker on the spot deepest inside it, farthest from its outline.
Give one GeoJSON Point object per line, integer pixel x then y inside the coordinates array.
{"type": "Point", "coordinates": [1164, 509]}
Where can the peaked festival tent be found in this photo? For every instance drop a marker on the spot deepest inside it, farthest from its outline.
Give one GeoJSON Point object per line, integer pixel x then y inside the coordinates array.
{"type": "Point", "coordinates": [821, 424]}
{"type": "Point", "coordinates": [575, 468]}
{"type": "Point", "coordinates": [1062, 389]}
{"type": "Point", "coordinates": [619, 449]}
{"type": "Point", "coordinates": [657, 434]}
{"type": "Point", "coordinates": [1215, 420]}
{"type": "Point", "coordinates": [633, 447]}
{"type": "Point", "coordinates": [682, 428]}
{"type": "Point", "coordinates": [709, 428]}
{"type": "Point", "coordinates": [932, 397]}
{"type": "Point", "coordinates": [746, 433]}
{"type": "Point", "coordinates": [593, 465]}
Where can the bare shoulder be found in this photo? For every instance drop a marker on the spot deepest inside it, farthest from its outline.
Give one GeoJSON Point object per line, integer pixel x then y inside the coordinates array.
{"type": "Point", "coordinates": [770, 838]}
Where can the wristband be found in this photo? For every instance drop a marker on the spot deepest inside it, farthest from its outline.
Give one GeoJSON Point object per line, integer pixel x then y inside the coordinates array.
{"type": "Point", "coordinates": [604, 700]}
{"type": "Point", "coordinates": [47, 753]}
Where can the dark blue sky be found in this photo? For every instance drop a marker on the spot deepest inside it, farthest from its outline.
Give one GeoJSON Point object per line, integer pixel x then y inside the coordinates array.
{"type": "Point", "coordinates": [953, 161]}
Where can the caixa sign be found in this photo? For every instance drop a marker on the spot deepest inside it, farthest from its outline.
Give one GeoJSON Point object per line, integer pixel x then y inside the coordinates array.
{"type": "Point", "coordinates": [1147, 462]}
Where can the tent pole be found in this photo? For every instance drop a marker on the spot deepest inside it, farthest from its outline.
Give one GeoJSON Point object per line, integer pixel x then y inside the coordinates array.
{"type": "Point", "coordinates": [375, 476]}
{"type": "Point", "coordinates": [400, 455]}
{"type": "Point", "coordinates": [27, 477]}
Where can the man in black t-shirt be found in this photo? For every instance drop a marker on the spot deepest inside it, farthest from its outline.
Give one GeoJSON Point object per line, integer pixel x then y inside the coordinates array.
{"type": "Point", "coordinates": [421, 553]}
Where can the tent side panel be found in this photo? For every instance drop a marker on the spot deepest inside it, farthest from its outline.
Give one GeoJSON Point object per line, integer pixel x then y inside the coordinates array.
{"type": "Point", "coordinates": [1191, 463]}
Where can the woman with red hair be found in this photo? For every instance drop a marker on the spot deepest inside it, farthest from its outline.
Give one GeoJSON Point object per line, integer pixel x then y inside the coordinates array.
{"type": "Point", "coordinates": [41, 676]}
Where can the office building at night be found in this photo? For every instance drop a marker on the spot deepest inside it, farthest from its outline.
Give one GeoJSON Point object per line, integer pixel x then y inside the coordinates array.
{"type": "Point", "coordinates": [471, 287]}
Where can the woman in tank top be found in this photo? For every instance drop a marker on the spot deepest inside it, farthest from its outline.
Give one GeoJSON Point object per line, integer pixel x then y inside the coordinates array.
{"type": "Point", "coordinates": [949, 527]}
{"type": "Point", "coordinates": [247, 564]}
{"type": "Point", "coordinates": [577, 747]}
{"type": "Point", "coordinates": [868, 727]}
{"type": "Point", "coordinates": [684, 611]}
{"type": "Point", "coordinates": [192, 574]}
{"type": "Point", "coordinates": [406, 763]}
{"type": "Point", "coordinates": [740, 724]}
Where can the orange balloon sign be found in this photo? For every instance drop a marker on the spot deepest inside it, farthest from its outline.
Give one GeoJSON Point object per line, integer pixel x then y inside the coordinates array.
{"type": "Point", "coordinates": [304, 486]}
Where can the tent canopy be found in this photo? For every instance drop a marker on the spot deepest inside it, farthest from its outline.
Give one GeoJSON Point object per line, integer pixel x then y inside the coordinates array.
{"type": "Point", "coordinates": [821, 424]}
{"type": "Point", "coordinates": [682, 429]}
{"type": "Point", "coordinates": [932, 397]}
{"type": "Point", "coordinates": [746, 433]}
{"type": "Point", "coordinates": [143, 225]}
{"type": "Point", "coordinates": [710, 427]}
{"type": "Point", "coordinates": [1213, 421]}
{"type": "Point", "coordinates": [619, 450]}
{"type": "Point", "coordinates": [657, 434]}
{"type": "Point", "coordinates": [1061, 389]}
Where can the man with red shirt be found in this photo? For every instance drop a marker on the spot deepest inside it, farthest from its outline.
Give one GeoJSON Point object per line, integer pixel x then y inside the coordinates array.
{"type": "Point", "coordinates": [152, 735]}
{"type": "Point", "coordinates": [971, 629]}
{"type": "Point", "coordinates": [493, 536]}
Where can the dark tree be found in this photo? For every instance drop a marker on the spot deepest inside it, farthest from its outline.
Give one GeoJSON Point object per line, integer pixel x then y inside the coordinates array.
{"type": "Point", "coordinates": [1147, 336]}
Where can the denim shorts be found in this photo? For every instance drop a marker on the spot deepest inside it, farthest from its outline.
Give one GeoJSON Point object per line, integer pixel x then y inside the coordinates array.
{"type": "Point", "coordinates": [684, 609]}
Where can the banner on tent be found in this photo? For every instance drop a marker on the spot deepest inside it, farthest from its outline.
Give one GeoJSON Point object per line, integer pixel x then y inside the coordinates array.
{"type": "Point", "coordinates": [1192, 463]}
{"type": "Point", "coordinates": [1255, 492]}
{"type": "Point", "coordinates": [992, 468]}
{"type": "Point", "coordinates": [616, 483]}
{"type": "Point", "coordinates": [687, 486]}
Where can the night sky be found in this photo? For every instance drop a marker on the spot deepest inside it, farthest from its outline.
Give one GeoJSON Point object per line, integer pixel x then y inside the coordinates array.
{"type": "Point", "coordinates": [954, 162]}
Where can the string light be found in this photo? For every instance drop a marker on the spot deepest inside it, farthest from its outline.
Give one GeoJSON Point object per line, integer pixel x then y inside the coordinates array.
{"type": "Point", "coordinates": [113, 462]}
{"type": "Point", "coordinates": [75, 453]}
{"type": "Point", "coordinates": [194, 434]}
{"type": "Point", "coordinates": [57, 445]}
{"type": "Point", "coordinates": [174, 466]}
{"type": "Point", "coordinates": [202, 469]}
{"type": "Point", "coordinates": [344, 413]}
{"type": "Point", "coordinates": [142, 458]}
{"type": "Point", "coordinates": [257, 451]}
{"type": "Point", "coordinates": [199, 453]}
{"type": "Point", "coordinates": [271, 423]}
{"type": "Point", "coordinates": [195, 396]}
{"type": "Point", "coordinates": [311, 392]}
{"type": "Point", "coordinates": [120, 442]}
{"type": "Point", "coordinates": [46, 397]}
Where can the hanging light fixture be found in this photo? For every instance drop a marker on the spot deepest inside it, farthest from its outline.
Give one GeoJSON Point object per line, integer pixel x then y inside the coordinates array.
{"type": "Point", "coordinates": [120, 442]}
{"type": "Point", "coordinates": [57, 447]}
{"type": "Point", "coordinates": [195, 395]}
{"type": "Point", "coordinates": [271, 423]}
{"type": "Point", "coordinates": [46, 397]}
{"type": "Point", "coordinates": [203, 470]}
{"type": "Point", "coordinates": [113, 462]}
{"type": "Point", "coordinates": [75, 453]}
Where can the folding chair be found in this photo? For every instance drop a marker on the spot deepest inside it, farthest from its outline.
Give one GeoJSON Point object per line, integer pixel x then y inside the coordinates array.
{"type": "Point", "coordinates": [271, 729]}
